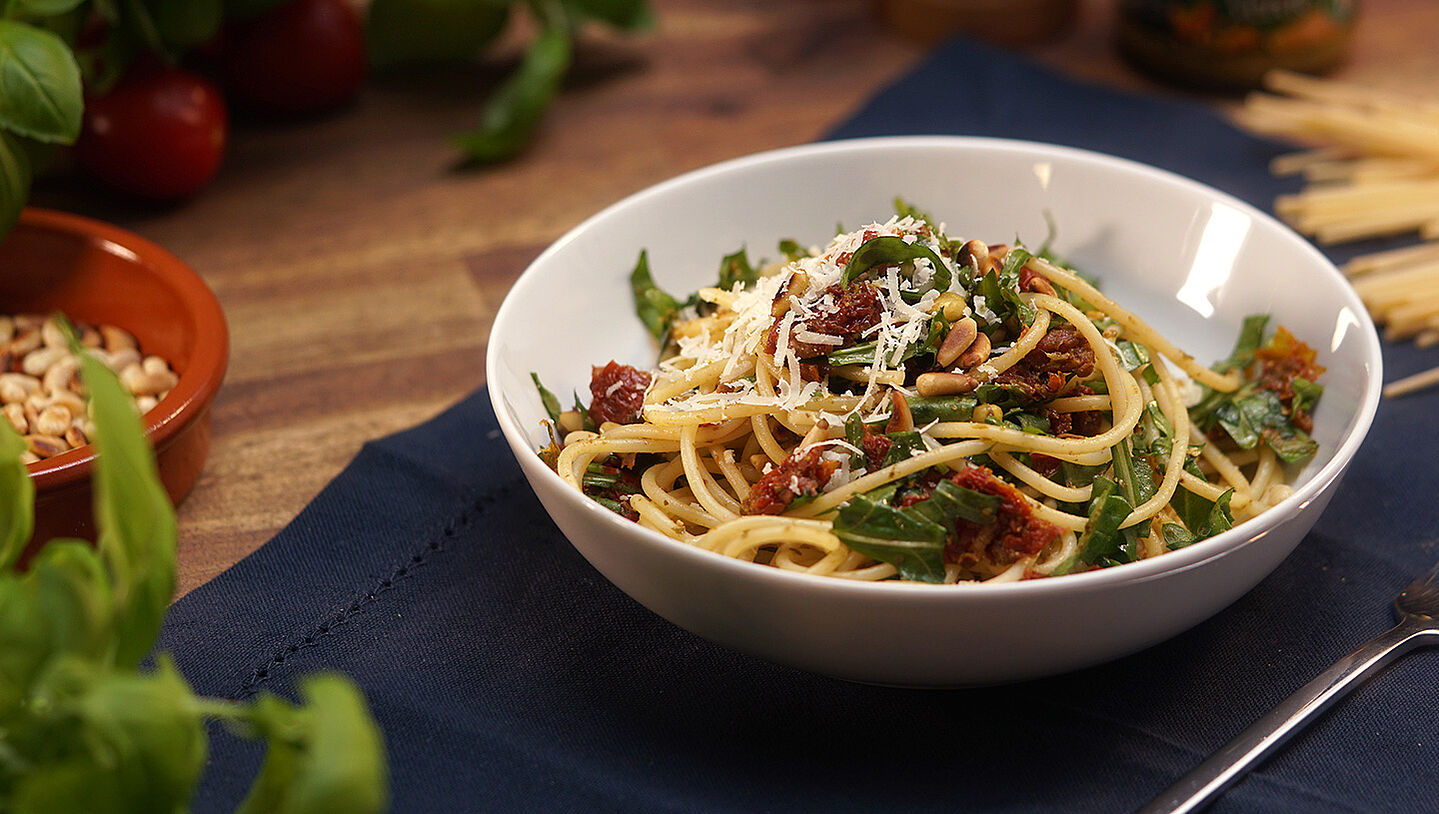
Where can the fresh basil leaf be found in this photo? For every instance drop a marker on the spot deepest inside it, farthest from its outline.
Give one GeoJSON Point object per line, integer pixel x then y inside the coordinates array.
{"type": "Point", "coordinates": [40, 94]}
{"type": "Point", "coordinates": [325, 756]}
{"type": "Point", "coordinates": [513, 113]}
{"type": "Point", "coordinates": [184, 24]}
{"type": "Point", "coordinates": [950, 502]}
{"type": "Point", "coordinates": [890, 250]}
{"type": "Point", "coordinates": [736, 268]}
{"type": "Point", "coordinates": [655, 308]}
{"type": "Point", "coordinates": [552, 404]}
{"type": "Point", "coordinates": [135, 518]}
{"type": "Point", "coordinates": [405, 31]}
{"type": "Point", "coordinates": [912, 544]}
{"type": "Point", "coordinates": [17, 498]}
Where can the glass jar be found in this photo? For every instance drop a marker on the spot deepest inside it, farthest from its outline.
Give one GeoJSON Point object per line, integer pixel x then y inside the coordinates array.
{"type": "Point", "coordinates": [1229, 45]}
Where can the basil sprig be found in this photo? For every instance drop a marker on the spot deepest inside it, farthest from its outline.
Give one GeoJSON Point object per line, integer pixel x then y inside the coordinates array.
{"type": "Point", "coordinates": [81, 720]}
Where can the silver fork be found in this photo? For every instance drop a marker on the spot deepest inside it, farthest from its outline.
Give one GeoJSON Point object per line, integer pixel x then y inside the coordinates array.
{"type": "Point", "coordinates": [1418, 609]}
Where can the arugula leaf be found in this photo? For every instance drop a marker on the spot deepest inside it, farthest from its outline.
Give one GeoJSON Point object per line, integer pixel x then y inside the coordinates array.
{"type": "Point", "coordinates": [1177, 536]}
{"type": "Point", "coordinates": [792, 250]}
{"type": "Point", "coordinates": [1306, 395]}
{"type": "Point", "coordinates": [405, 31]}
{"type": "Point", "coordinates": [1260, 416]}
{"type": "Point", "coordinates": [1251, 337]}
{"type": "Point", "coordinates": [913, 544]}
{"type": "Point", "coordinates": [513, 113]}
{"type": "Point", "coordinates": [586, 422]}
{"type": "Point", "coordinates": [1101, 538]}
{"type": "Point", "coordinates": [890, 250]}
{"type": "Point", "coordinates": [735, 268]}
{"type": "Point", "coordinates": [1132, 355]}
{"type": "Point", "coordinates": [552, 404]}
{"type": "Point", "coordinates": [950, 502]}
{"type": "Point", "coordinates": [655, 308]}
{"type": "Point", "coordinates": [905, 445]}
{"type": "Point", "coordinates": [1009, 286]}
{"type": "Point", "coordinates": [40, 94]}
{"type": "Point", "coordinates": [925, 409]}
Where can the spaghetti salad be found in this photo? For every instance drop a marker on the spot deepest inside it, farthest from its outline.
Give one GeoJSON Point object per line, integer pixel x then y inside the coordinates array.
{"type": "Point", "coordinates": [901, 405]}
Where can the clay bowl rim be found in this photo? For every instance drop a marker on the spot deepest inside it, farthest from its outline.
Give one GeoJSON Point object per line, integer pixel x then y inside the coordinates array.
{"type": "Point", "coordinates": [205, 370]}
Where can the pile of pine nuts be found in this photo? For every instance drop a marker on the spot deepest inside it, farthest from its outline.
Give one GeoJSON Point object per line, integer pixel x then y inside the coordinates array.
{"type": "Point", "coordinates": [40, 386]}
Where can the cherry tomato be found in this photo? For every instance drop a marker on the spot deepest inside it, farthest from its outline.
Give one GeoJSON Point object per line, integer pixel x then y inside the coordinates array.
{"type": "Point", "coordinates": [159, 133]}
{"type": "Point", "coordinates": [299, 57]}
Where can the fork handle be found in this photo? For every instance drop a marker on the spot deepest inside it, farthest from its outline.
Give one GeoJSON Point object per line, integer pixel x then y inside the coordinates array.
{"type": "Point", "coordinates": [1203, 783]}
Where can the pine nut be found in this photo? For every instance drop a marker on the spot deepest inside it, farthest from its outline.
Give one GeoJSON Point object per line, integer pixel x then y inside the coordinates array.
{"type": "Point", "coordinates": [44, 397]}
{"type": "Point", "coordinates": [944, 384]}
{"type": "Point", "coordinates": [961, 335]}
{"type": "Point", "coordinates": [900, 419]}
{"type": "Point", "coordinates": [36, 362]}
{"type": "Point", "coordinates": [117, 338]}
{"type": "Point", "coordinates": [46, 446]}
{"type": "Point", "coordinates": [16, 415]}
{"type": "Point", "coordinates": [53, 420]}
{"type": "Point", "coordinates": [974, 254]}
{"type": "Point", "coordinates": [976, 353]}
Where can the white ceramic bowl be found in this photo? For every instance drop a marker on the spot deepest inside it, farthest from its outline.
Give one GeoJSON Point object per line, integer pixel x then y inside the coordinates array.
{"type": "Point", "coordinates": [1189, 259]}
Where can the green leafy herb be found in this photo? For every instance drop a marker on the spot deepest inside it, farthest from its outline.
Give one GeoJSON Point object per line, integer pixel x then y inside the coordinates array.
{"type": "Point", "coordinates": [891, 250]}
{"type": "Point", "coordinates": [655, 308]}
{"type": "Point", "coordinates": [905, 445]}
{"type": "Point", "coordinates": [792, 250]}
{"type": "Point", "coordinates": [925, 409]}
{"type": "Point", "coordinates": [911, 543]}
{"type": "Point", "coordinates": [735, 268]}
{"type": "Point", "coordinates": [950, 502]}
{"type": "Point", "coordinates": [513, 113]}
{"type": "Point", "coordinates": [1101, 539]}
{"type": "Point", "coordinates": [80, 722]}
{"type": "Point", "coordinates": [552, 404]}
{"type": "Point", "coordinates": [39, 84]}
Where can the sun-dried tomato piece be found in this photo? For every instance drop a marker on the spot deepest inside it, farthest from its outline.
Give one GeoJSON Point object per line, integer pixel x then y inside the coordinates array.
{"type": "Point", "coordinates": [1042, 374]}
{"type": "Point", "coordinates": [617, 393]}
{"type": "Point", "coordinates": [1015, 532]}
{"type": "Point", "coordinates": [799, 474]}
{"type": "Point", "coordinates": [1282, 360]}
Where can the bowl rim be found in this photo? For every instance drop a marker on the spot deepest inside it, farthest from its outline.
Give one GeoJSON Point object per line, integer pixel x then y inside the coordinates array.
{"type": "Point", "coordinates": [196, 387]}
{"type": "Point", "coordinates": [1170, 563]}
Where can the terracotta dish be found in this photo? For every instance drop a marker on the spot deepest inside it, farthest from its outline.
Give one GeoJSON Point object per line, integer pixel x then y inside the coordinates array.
{"type": "Point", "coordinates": [98, 273]}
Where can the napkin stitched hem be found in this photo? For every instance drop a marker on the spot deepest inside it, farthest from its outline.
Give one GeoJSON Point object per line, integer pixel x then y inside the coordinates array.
{"type": "Point", "coordinates": [325, 629]}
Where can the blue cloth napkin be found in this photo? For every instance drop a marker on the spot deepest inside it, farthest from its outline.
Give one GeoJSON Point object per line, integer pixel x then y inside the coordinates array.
{"type": "Point", "coordinates": [509, 676]}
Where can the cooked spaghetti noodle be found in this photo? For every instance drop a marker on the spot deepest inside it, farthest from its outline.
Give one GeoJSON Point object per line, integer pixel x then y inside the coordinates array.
{"type": "Point", "coordinates": [899, 405]}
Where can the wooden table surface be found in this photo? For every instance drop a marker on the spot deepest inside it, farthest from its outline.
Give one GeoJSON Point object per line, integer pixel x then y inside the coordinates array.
{"type": "Point", "coordinates": [360, 272]}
